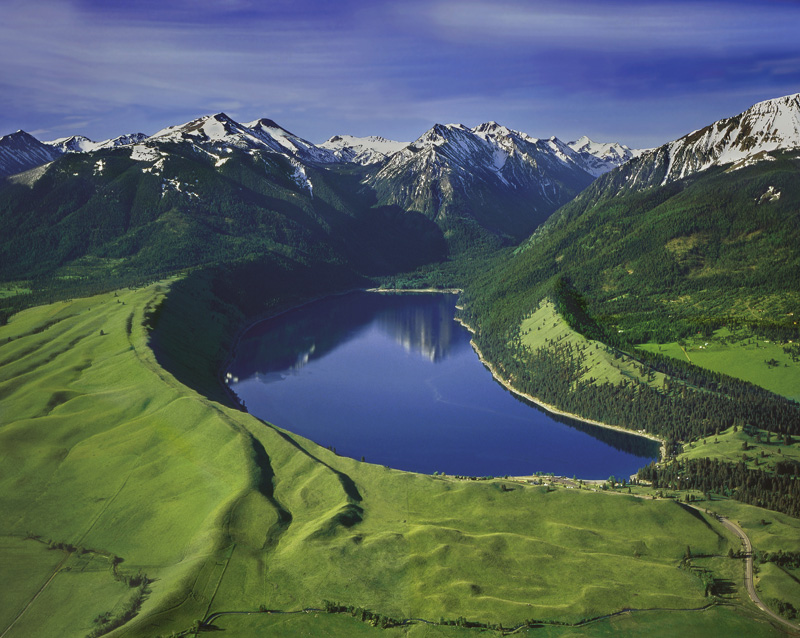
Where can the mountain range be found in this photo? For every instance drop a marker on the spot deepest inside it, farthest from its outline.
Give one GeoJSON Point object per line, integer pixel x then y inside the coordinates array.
{"type": "Point", "coordinates": [213, 188]}
{"type": "Point", "coordinates": [485, 182]}
{"type": "Point", "coordinates": [698, 234]}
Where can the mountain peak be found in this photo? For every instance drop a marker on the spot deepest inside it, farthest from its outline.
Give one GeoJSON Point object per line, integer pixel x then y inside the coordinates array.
{"type": "Point", "coordinates": [362, 150]}
{"type": "Point", "coordinates": [265, 122]}
{"type": "Point", "coordinates": [20, 151]}
{"type": "Point", "coordinates": [767, 126]}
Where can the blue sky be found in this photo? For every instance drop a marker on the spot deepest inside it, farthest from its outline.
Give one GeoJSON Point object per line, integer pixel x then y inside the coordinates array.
{"type": "Point", "coordinates": [640, 72]}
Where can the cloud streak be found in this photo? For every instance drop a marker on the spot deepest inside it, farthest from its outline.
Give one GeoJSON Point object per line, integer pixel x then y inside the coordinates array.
{"type": "Point", "coordinates": [390, 68]}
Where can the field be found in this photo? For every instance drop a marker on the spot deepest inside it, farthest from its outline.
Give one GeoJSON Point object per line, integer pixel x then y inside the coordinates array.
{"type": "Point", "coordinates": [741, 355]}
{"type": "Point", "coordinates": [163, 506]}
{"type": "Point", "coordinates": [545, 327]}
{"type": "Point", "coordinates": [764, 449]}
{"type": "Point", "coordinates": [9, 289]}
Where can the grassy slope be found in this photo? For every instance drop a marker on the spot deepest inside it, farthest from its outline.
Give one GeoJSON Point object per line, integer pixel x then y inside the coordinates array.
{"type": "Point", "coordinates": [103, 449]}
{"type": "Point", "coordinates": [545, 326]}
{"type": "Point", "coordinates": [728, 447]}
{"type": "Point", "coordinates": [739, 355]}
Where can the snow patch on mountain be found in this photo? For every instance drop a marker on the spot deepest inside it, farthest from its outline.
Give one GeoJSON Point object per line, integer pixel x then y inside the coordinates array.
{"type": "Point", "coordinates": [772, 194]}
{"type": "Point", "coordinates": [766, 127]}
{"type": "Point", "coordinates": [81, 144]}
{"type": "Point", "coordinates": [301, 177]}
{"type": "Point", "coordinates": [144, 153]}
{"type": "Point", "coordinates": [362, 150]}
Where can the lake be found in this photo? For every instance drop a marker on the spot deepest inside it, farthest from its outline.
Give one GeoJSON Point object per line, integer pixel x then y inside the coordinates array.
{"type": "Point", "coordinates": [393, 378]}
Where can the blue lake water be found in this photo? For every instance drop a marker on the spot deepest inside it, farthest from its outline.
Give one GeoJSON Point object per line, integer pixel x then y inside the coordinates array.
{"type": "Point", "coordinates": [393, 378]}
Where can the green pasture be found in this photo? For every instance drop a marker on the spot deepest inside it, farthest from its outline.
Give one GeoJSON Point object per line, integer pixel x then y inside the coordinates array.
{"type": "Point", "coordinates": [545, 327]}
{"type": "Point", "coordinates": [741, 355]}
{"type": "Point", "coordinates": [768, 531]}
{"type": "Point", "coordinates": [778, 583]}
{"type": "Point", "coordinates": [729, 446]}
{"type": "Point", "coordinates": [716, 621]}
{"type": "Point", "coordinates": [105, 452]}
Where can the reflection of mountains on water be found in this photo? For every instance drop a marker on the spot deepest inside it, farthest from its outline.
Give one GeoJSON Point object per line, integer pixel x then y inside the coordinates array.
{"type": "Point", "coordinates": [429, 331]}
{"type": "Point", "coordinates": [418, 322]}
{"type": "Point", "coordinates": [421, 323]}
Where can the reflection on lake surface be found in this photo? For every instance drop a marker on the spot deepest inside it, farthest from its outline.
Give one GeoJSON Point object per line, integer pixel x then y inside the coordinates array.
{"type": "Point", "coordinates": [393, 378]}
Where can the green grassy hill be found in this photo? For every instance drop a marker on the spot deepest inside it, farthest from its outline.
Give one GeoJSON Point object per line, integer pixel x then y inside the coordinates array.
{"type": "Point", "coordinates": [135, 498]}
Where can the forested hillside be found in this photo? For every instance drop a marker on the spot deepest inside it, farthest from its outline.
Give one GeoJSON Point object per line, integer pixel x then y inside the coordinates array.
{"type": "Point", "coordinates": [94, 221]}
{"type": "Point", "coordinates": [714, 250]}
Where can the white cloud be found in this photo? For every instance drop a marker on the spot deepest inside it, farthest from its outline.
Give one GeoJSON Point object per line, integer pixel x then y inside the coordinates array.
{"type": "Point", "coordinates": [613, 26]}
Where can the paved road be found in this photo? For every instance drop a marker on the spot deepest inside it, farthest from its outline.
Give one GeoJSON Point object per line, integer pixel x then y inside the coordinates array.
{"type": "Point", "coordinates": [748, 568]}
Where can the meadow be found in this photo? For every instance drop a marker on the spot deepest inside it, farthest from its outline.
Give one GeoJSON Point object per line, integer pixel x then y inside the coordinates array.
{"type": "Point", "coordinates": [545, 327]}
{"type": "Point", "coordinates": [764, 362]}
{"type": "Point", "coordinates": [764, 449]}
{"type": "Point", "coordinates": [133, 501]}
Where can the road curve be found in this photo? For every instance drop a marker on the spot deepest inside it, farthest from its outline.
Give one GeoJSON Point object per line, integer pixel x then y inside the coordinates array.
{"type": "Point", "coordinates": [748, 570]}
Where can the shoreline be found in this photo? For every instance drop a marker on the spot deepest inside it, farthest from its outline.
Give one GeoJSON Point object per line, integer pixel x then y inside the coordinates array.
{"type": "Point", "coordinates": [445, 291]}
{"type": "Point", "coordinates": [551, 408]}
{"type": "Point", "coordinates": [502, 381]}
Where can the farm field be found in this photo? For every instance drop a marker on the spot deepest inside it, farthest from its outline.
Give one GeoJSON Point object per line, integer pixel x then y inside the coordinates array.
{"type": "Point", "coordinates": [742, 356]}
{"type": "Point", "coordinates": [165, 507]}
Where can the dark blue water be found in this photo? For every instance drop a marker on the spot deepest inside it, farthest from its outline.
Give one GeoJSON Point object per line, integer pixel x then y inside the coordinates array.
{"type": "Point", "coordinates": [393, 378]}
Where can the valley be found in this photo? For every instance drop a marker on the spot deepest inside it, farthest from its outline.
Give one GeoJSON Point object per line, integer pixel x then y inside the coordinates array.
{"type": "Point", "coordinates": [145, 502]}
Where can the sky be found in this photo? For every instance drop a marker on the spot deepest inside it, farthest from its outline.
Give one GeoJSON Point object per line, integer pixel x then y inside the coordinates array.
{"type": "Point", "coordinates": [641, 72]}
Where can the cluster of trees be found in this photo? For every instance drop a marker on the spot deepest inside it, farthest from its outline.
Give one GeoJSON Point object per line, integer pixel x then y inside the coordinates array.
{"type": "Point", "coordinates": [780, 558]}
{"type": "Point", "coordinates": [364, 615]}
{"type": "Point", "coordinates": [752, 486]}
{"type": "Point", "coordinates": [107, 622]}
{"type": "Point", "coordinates": [784, 608]}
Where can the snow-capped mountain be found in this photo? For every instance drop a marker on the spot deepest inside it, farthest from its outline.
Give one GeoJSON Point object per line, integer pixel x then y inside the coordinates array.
{"type": "Point", "coordinates": [20, 152]}
{"type": "Point", "coordinates": [302, 149]}
{"type": "Point", "coordinates": [210, 129]}
{"type": "Point", "coordinates": [362, 150]}
{"type": "Point", "coordinates": [81, 144]}
{"type": "Point", "coordinates": [219, 130]}
{"type": "Point", "coordinates": [601, 157]}
{"type": "Point", "coordinates": [505, 180]}
{"type": "Point", "coordinates": [72, 144]}
{"type": "Point", "coordinates": [751, 136]}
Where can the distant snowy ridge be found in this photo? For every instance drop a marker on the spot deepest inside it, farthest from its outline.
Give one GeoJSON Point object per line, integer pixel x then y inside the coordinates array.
{"type": "Point", "coordinates": [263, 134]}
{"type": "Point", "coordinates": [362, 150]}
{"type": "Point", "coordinates": [220, 133]}
{"type": "Point", "coordinates": [602, 157]}
{"type": "Point", "coordinates": [81, 144]}
{"type": "Point", "coordinates": [490, 152]}
{"type": "Point", "coordinates": [452, 169]}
